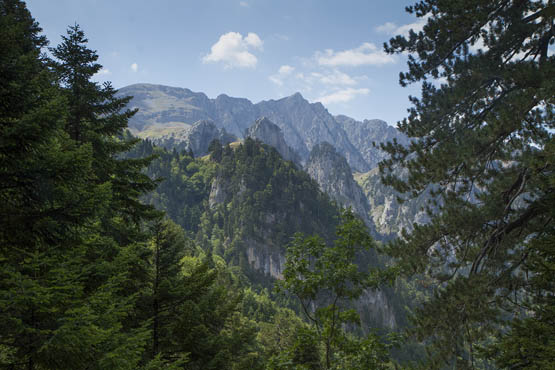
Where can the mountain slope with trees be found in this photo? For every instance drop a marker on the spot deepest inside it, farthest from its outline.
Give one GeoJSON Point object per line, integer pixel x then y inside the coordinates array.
{"type": "Point", "coordinates": [90, 275]}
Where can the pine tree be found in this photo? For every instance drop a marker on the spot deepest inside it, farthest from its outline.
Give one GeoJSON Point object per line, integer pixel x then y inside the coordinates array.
{"type": "Point", "coordinates": [168, 287]}
{"type": "Point", "coordinates": [48, 318]}
{"type": "Point", "coordinates": [483, 134]}
{"type": "Point", "coordinates": [97, 116]}
{"type": "Point", "coordinates": [117, 252]}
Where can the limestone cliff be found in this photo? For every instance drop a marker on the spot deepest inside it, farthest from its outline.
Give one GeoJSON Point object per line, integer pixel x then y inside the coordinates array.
{"type": "Point", "coordinates": [332, 172]}
{"type": "Point", "coordinates": [303, 124]}
{"type": "Point", "coordinates": [269, 133]}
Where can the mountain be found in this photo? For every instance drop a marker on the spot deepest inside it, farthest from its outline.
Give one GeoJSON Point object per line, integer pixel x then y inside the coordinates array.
{"type": "Point", "coordinates": [363, 133]}
{"type": "Point", "coordinates": [165, 106]}
{"type": "Point", "coordinates": [303, 124]}
{"type": "Point", "coordinates": [196, 137]}
{"type": "Point", "coordinates": [246, 203]}
{"type": "Point", "coordinates": [270, 134]}
{"type": "Point", "coordinates": [333, 174]}
{"type": "Point", "coordinates": [388, 216]}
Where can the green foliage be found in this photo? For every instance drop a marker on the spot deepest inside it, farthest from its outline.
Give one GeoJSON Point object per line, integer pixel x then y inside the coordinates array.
{"type": "Point", "coordinates": [192, 308]}
{"type": "Point", "coordinates": [70, 221]}
{"type": "Point", "coordinates": [184, 184]}
{"type": "Point", "coordinates": [168, 288]}
{"type": "Point", "coordinates": [99, 118]}
{"type": "Point", "coordinates": [259, 198]}
{"type": "Point", "coordinates": [45, 205]}
{"type": "Point", "coordinates": [485, 136]}
{"type": "Point", "coordinates": [326, 280]}
{"type": "Point", "coordinates": [264, 199]}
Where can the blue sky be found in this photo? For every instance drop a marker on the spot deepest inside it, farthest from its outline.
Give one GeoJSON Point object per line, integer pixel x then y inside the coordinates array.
{"type": "Point", "coordinates": [329, 51]}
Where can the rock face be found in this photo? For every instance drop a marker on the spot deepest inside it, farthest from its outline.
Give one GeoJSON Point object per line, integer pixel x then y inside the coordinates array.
{"type": "Point", "coordinates": [389, 216]}
{"type": "Point", "coordinates": [303, 124]}
{"type": "Point", "coordinates": [333, 174]}
{"type": "Point", "coordinates": [262, 257]}
{"type": "Point", "coordinates": [269, 133]}
{"type": "Point", "coordinates": [375, 308]}
{"type": "Point", "coordinates": [363, 134]}
{"type": "Point", "coordinates": [196, 137]}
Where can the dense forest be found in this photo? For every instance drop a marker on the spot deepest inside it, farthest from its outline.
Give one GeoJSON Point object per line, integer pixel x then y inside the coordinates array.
{"type": "Point", "coordinates": [117, 254]}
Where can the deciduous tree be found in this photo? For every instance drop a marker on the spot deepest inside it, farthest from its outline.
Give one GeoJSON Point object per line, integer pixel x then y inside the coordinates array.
{"type": "Point", "coordinates": [327, 280]}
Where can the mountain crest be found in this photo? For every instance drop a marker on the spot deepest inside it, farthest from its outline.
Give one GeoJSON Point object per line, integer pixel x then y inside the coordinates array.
{"type": "Point", "coordinates": [269, 133]}
{"type": "Point", "coordinates": [303, 124]}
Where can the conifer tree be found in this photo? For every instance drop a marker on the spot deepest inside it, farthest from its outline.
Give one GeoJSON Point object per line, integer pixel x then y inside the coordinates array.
{"type": "Point", "coordinates": [49, 318]}
{"type": "Point", "coordinates": [117, 252]}
{"type": "Point", "coordinates": [483, 133]}
{"type": "Point", "coordinates": [168, 287]}
{"type": "Point", "coordinates": [99, 117]}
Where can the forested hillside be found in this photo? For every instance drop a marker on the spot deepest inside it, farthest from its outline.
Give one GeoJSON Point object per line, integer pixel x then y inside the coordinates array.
{"type": "Point", "coordinates": [173, 244]}
{"type": "Point", "coordinates": [94, 276]}
{"type": "Point", "coordinates": [242, 201]}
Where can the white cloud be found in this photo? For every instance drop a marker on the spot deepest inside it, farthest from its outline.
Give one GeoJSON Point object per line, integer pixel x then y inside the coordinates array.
{"type": "Point", "coordinates": [334, 78]}
{"type": "Point", "coordinates": [343, 96]}
{"type": "Point", "coordinates": [388, 27]}
{"type": "Point", "coordinates": [393, 30]}
{"type": "Point", "coordinates": [478, 45]}
{"type": "Point", "coordinates": [416, 27]}
{"type": "Point", "coordinates": [104, 72]}
{"type": "Point", "coordinates": [244, 4]}
{"type": "Point", "coordinates": [134, 67]}
{"type": "Point", "coordinates": [285, 69]}
{"type": "Point", "coordinates": [232, 49]}
{"type": "Point", "coordinates": [253, 40]}
{"type": "Point", "coordinates": [365, 54]}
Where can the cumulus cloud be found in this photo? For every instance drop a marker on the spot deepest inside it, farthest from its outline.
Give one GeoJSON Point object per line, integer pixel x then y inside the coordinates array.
{"type": "Point", "coordinates": [392, 29]}
{"type": "Point", "coordinates": [233, 50]}
{"type": "Point", "coordinates": [134, 67]}
{"type": "Point", "coordinates": [365, 54]}
{"type": "Point", "coordinates": [343, 96]}
{"type": "Point", "coordinates": [253, 40]}
{"type": "Point", "coordinates": [104, 72]}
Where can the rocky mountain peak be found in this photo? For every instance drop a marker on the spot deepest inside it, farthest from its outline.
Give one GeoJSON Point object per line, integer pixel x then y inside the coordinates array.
{"type": "Point", "coordinates": [297, 96]}
{"type": "Point", "coordinates": [362, 134]}
{"type": "Point", "coordinates": [202, 133]}
{"type": "Point", "coordinates": [303, 124]}
{"type": "Point", "coordinates": [332, 172]}
{"type": "Point", "coordinates": [264, 124]}
{"type": "Point", "coordinates": [269, 133]}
